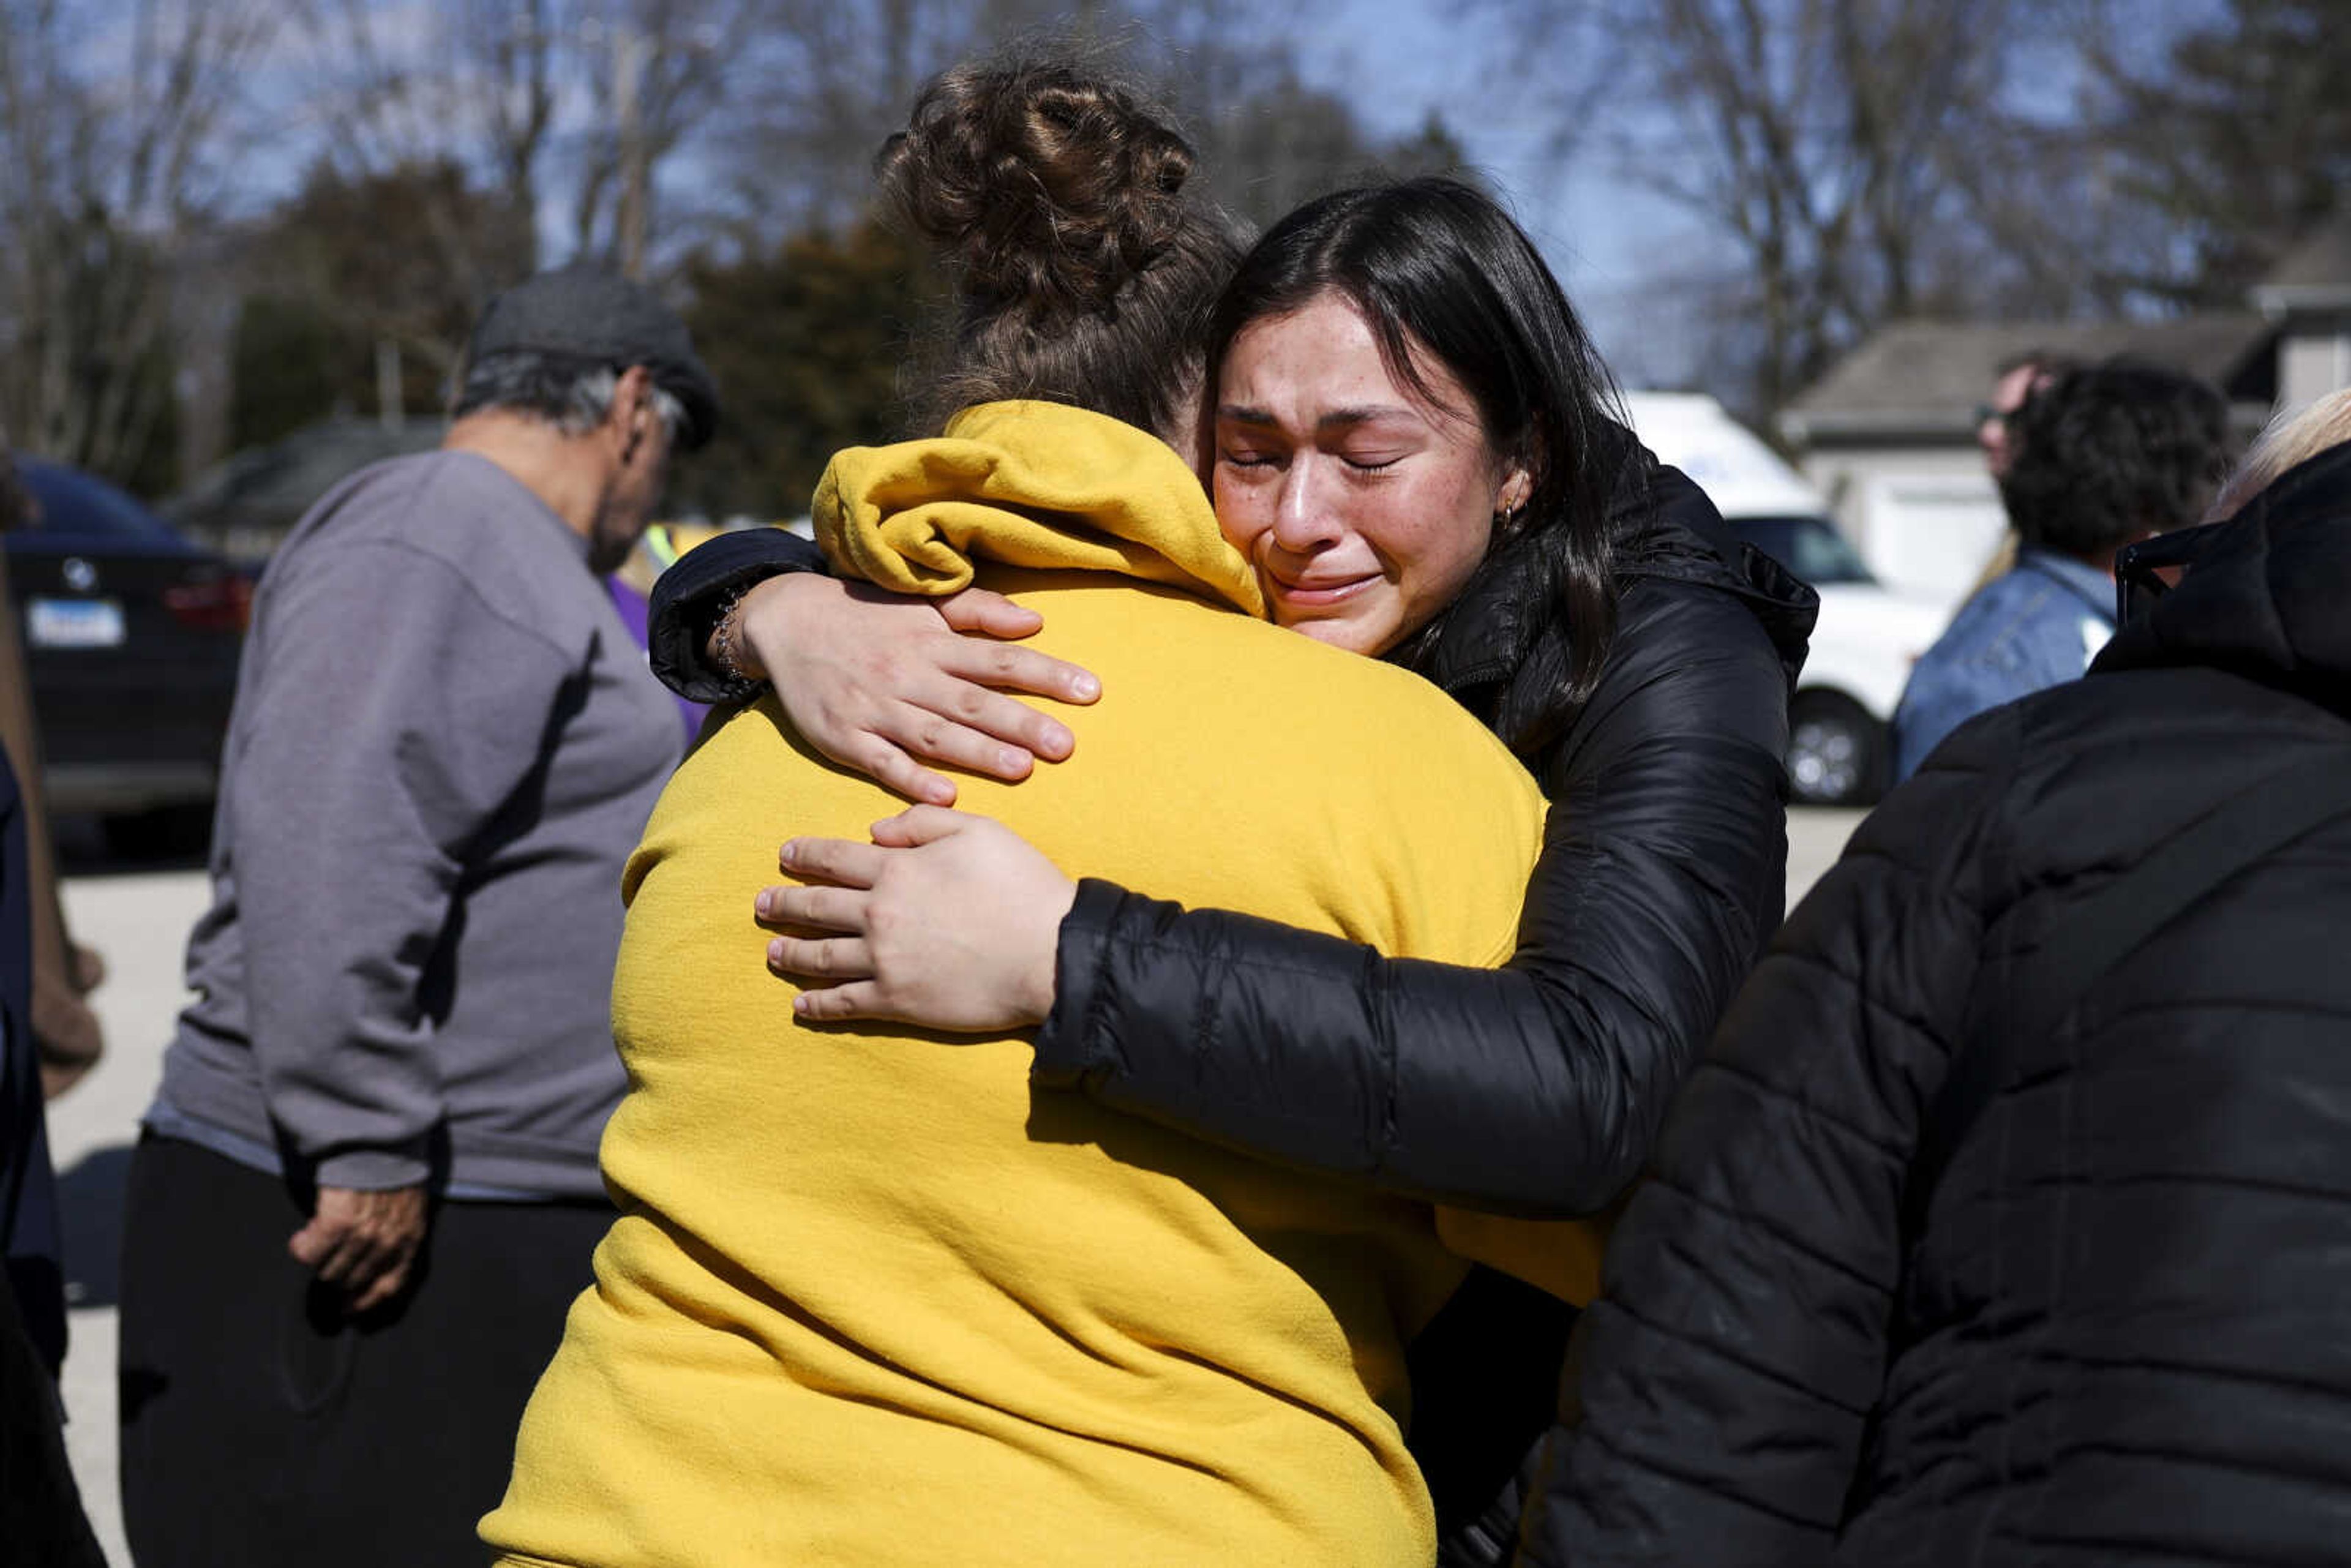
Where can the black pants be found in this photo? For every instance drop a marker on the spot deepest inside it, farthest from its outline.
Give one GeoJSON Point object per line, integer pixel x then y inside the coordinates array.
{"type": "Point", "coordinates": [40, 1509]}
{"type": "Point", "coordinates": [260, 1427]}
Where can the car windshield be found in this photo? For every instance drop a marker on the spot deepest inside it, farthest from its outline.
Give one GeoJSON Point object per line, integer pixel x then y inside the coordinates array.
{"type": "Point", "coordinates": [1808, 546]}
{"type": "Point", "coordinates": [75, 509]}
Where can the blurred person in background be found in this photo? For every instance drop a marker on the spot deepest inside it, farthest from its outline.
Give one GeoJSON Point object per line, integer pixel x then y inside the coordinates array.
{"type": "Point", "coordinates": [2100, 457]}
{"type": "Point", "coordinates": [2008, 1218]}
{"type": "Point", "coordinates": [2018, 378]}
{"type": "Point", "coordinates": [65, 1030]}
{"type": "Point", "coordinates": [632, 588]}
{"type": "Point", "coordinates": [41, 1518]}
{"type": "Point", "coordinates": [2014, 383]}
{"type": "Point", "coordinates": [367, 1187]}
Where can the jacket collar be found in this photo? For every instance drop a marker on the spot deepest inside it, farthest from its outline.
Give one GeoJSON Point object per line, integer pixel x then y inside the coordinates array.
{"type": "Point", "coordinates": [1508, 607]}
{"type": "Point", "coordinates": [2269, 597]}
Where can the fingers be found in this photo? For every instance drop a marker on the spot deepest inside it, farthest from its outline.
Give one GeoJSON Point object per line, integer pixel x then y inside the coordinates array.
{"type": "Point", "coordinates": [1004, 718]}
{"type": "Point", "coordinates": [881, 761]}
{"type": "Point", "coordinates": [1012, 669]}
{"type": "Point", "coordinates": [989, 614]}
{"type": "Point", "coordinates": [312, 1243]}
{"type": "Point", "coordinates": [364, 1243]}
{"type": "Point", "coordinates": [836, 1004]}
{"type": "Point", "coordinates": [822, 958]}
{"type": "Point", "coordinates": [817, 908]}
{"type": "Point", "coordinates": [931, 735]}
{"type": "Point", "coordinates": [371, 1267]}
{"type": "Point", "coordinates": [388, 1284]}
{"type": "Point", "coordinates": [844, 862]}
{"type": "Point", "coordinates": [337, 1248]}
{"type": "Point", "coordinates": [376, 1272]}
{"type": "Point", "coordinates": [918, 825]}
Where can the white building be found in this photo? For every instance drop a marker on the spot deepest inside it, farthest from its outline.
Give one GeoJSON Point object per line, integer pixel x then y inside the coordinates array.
{"type": "Point", "coordinates": [2309, 299]}
{"type": "Point", "coordinates": [1889, 435]}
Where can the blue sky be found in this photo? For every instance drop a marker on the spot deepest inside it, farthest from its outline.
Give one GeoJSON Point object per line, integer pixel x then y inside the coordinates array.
{"type": "Point", "coordinates": [1602, 233]}
{"type": "Point", "coordinates": [1395, 60]}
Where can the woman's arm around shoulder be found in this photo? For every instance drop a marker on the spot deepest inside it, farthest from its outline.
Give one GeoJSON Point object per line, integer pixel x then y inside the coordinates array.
{"type": "Point", "coordinates": [1534, 1089]}
{"type": "Point", "coordinates": [877, 682]}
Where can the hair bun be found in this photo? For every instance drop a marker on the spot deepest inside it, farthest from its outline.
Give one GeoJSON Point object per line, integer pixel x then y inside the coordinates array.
{"type": "Point", "coordinates": [1047, 189]}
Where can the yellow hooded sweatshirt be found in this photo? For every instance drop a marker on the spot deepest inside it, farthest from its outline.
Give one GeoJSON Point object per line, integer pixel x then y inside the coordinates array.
{"type": "Point", "coordinates": [873, 1299]}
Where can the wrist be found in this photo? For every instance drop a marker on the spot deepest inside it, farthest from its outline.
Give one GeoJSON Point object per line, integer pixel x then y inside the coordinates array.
{"type": "Point", "coordinates": [1039, 985]}
{"type": "Point", "coordinates": [728, 654]}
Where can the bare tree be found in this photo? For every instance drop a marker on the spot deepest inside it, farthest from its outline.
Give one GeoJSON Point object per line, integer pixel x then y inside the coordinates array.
{"type": "Point", "coordinates": [2227, 142]}
{"type": "Point", "coordinates": [839, 77]}
{"type": "Point", "coordinates": [108, 142]}
{"type": "Point", "coordinates": [657, 71]}
{"type": "Point", "coordinates": [483, 116]}
{"type": "Point", "coordinates": [836, 78]}
{"type": "Point", "coordinates": [1858, 160]}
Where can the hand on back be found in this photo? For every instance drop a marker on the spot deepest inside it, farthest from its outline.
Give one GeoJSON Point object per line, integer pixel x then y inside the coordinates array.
{"type": "Point", "coordinates": [946, 920]}
{"type": "Point", "coordinates": [884, 684]}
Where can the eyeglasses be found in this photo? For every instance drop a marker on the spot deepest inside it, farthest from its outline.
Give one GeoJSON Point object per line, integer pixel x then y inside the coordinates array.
{"type": "Point", "coordinates": [2146, 571]}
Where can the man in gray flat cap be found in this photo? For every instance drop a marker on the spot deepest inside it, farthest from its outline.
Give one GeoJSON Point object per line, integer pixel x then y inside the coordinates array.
{"type": "Point", "coordinates": [367, 1189]}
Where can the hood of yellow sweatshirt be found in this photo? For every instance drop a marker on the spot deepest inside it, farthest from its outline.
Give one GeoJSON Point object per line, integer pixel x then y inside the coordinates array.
{"type": "Point", "coordinates": [1037, 484]}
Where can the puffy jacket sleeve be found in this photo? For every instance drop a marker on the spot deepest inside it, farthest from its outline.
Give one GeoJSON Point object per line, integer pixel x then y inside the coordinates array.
{"type": "Point", "coordinates": [1534, 1089]}
{"type": "Point", "coordinates": [1717, 1395]}
{"type": "Point", "coordinates": [687, 598]}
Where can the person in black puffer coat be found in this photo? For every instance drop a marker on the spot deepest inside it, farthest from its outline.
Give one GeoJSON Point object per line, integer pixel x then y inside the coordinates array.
{"type": "Point", "coordinates": [2113, 1327]}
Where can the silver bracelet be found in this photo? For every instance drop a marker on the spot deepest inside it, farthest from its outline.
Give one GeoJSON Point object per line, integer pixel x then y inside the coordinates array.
{"type": "Point", "coordinates": [724, 649]}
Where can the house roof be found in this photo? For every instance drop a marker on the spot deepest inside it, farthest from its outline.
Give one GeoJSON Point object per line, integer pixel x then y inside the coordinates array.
{"type": "Point", "coordinates": [251, 499]}
{"type": "Point", "coordinates": [2317, 272]}
{"type": "Point", "coordinates": [1926, 378]}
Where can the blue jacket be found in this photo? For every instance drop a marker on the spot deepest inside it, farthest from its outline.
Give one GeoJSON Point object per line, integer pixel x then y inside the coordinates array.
{"type": "Point", "coordinates": [2037, 626]}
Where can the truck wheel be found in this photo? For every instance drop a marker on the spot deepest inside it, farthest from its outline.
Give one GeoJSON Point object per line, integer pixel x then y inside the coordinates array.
{"type": "Point", "coordinates": [1836, 751]}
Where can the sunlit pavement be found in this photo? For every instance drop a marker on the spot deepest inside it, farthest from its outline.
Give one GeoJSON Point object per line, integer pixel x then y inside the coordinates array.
{"type": "Point", "coordinates": [140, 921]}
{"type": "Point", "coordinates": [1815, 838]}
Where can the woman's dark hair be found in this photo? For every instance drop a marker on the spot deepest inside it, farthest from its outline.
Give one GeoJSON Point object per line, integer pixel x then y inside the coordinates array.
{"type": "Point", "coordinates": [1055, 198]}
{"type": "Point", "coordinates": [2112, 452]}
{"type": "Point", "coordinates": [1438, 269]}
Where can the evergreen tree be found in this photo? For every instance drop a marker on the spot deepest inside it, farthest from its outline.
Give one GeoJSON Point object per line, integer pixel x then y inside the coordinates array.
{"type": "Point", "coordinates": [806, 342]}
{"type": "Point", "coordinates": [2240, 146]}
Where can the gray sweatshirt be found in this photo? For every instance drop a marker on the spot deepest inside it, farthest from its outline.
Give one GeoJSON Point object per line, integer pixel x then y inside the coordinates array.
{"type": "Point", "coordinates": [445, 746]}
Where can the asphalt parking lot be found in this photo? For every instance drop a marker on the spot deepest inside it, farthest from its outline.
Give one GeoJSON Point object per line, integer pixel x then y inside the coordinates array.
{"type": "Point", "coordinates": [138, 916]}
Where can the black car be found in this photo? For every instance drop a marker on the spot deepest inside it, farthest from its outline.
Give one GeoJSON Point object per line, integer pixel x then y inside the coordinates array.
{"type": "Point", "coordinates": [131, 635]}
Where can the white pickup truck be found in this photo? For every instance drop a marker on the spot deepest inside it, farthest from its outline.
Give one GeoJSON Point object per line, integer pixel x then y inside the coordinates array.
{"type": "Point", "coordinates": [1869, 636]}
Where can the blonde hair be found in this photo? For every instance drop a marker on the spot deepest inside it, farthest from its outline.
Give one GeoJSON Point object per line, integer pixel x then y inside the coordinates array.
{"type": "Point", "coordinates": [2291, 439]}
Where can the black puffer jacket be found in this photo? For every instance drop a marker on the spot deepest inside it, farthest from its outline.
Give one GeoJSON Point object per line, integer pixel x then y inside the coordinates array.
{"type": "Point", "coordinates": [1534, 1088]}
{"type": "Point", "coordinates": [2118, 1327]}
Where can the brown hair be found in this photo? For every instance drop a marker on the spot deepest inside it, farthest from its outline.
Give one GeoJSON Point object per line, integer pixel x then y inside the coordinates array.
{"type": "Point", "coordinates": [1054, 197]}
